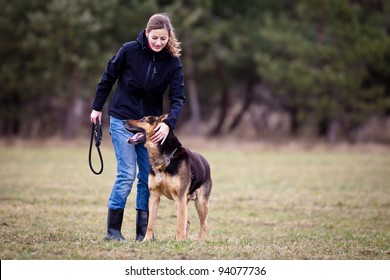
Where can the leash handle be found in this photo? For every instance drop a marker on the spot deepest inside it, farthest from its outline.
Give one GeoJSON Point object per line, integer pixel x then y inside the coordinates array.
{"type": "Point", "coordinates": [98, 135]}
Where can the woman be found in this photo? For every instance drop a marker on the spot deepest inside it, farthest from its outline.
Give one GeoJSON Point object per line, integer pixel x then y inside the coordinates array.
{"type": "Point", "coordinates": [144, 69]}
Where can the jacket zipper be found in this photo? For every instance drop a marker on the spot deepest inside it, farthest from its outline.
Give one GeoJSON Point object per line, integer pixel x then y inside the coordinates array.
{"type": "Point", "coordinates": [146, 80]}
{"type": "Point", "coordinates": [148, 71]}
{"type": "Point", "coordinates": [154, 67]}
{"type": "Point", "coordinates": [154, 72]}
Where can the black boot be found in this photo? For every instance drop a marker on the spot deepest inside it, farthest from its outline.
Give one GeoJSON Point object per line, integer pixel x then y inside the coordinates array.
{"type": "Point", "coordinates": [141, 224]}
{"type": "Point", "coordinates": [114, 225]}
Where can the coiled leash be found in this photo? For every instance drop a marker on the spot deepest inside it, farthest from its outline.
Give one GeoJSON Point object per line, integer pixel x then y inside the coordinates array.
{"type": "Point", "coordinates": [97, 132]}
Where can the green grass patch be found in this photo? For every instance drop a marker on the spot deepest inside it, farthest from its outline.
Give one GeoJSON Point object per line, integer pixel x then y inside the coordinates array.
{"type": "Point", "coordinates": [266, 204]}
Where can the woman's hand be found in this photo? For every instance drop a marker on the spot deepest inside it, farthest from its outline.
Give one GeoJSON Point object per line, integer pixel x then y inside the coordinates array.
{"type": "Point", "coordinates": [96, 115]}
{"type": "Point", "coordinates": [161, 133]}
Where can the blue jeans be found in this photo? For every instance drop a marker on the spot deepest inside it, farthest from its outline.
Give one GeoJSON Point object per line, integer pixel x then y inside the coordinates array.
{"type": "Point", "coordinates": [127, 157]}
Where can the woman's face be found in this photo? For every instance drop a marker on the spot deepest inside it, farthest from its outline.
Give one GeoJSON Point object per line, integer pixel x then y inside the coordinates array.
{"type": "Point", "coordinates": [158, 39]}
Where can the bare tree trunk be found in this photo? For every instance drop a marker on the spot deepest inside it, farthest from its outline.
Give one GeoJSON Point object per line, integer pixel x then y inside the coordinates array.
{"type": "Point", "coordinates": [333, 131]}
{"type": "Point", "coordinates": [245, 106]}
{"type": "Point", "coordinates": [192, 91]}
{"type": "Point", "coordinates": [73, 115]}
{"type": "Point", "coordinates": [224, 101]}
{"type": "Point", "coordinates": [10, 115]}
{"type": "Point", "coordinates": [294, 121]}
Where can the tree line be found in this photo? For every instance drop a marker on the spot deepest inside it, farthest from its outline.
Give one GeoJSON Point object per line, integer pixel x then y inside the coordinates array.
{"type": "Point", "coordinates": [316, 67]}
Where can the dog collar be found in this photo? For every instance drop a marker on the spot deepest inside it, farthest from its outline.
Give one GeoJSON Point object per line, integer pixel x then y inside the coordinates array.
{"type": "Point", "coordinates": [165, 161]}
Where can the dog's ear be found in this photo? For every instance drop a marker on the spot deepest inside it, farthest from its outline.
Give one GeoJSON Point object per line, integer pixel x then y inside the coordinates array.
{"type": "Point", "coordinates": [163, 118]}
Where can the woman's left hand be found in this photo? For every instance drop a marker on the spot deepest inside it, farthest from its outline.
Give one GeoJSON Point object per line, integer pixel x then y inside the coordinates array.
{"type": "Point", "coordinates": [161, 133]}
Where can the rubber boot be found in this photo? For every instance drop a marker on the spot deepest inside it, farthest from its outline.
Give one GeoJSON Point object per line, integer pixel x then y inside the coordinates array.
{"type": "Point", "coordinates": [114, 225]}
{"type": "Point", "coordinates": [141, 224]}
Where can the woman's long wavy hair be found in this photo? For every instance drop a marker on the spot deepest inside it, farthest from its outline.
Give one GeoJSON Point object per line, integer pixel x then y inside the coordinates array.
{"type": "Point", "coordinates": [162, 21]}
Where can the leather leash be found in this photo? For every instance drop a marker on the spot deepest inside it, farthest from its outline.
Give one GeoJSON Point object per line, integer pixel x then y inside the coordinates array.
{"type": "Point", "coordinates": [97, 134]}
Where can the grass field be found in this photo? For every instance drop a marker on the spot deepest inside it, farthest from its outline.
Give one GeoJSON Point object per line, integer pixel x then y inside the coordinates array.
{"type": "Point", "coordinates": [267, 203]}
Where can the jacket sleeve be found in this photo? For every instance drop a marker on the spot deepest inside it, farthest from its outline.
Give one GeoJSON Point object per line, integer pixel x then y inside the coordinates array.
{"type": "Point", "coordinates": [110, 75]}
{"type": "Point", "coordinates": [176, 95]}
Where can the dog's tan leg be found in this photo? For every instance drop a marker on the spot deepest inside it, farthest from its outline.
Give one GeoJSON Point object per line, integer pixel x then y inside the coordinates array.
{"type": "Point", "coordinates": [202, 207]}
{"type": "Point", "coordinates": [154, 201]}
{"type": "Point", "coordinates": [181, 209]}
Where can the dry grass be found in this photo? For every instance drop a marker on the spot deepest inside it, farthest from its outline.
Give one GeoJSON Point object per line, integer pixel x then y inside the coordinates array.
{"type": "Point", "coordinates": [266, 204]}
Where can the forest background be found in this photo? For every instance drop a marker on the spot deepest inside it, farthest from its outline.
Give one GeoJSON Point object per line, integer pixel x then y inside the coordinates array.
{"type": "Point", "coordinates": [259, 69]}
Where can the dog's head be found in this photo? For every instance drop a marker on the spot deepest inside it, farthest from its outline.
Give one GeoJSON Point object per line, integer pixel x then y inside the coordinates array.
{"type": "Point", "coordinates": [143, 128]}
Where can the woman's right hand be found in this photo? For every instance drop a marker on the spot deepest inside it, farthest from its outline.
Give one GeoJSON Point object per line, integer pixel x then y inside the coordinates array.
{"type": "Point", "coordinates": [96, 115]}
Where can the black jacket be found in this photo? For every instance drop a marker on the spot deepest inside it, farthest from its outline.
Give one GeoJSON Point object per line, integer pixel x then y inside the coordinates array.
{"type": "Point", "coordinates": [143, 76]}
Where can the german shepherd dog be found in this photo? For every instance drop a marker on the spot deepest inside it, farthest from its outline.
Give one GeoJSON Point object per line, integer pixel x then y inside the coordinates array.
{"type": "Point", "coordinates": [176, 172]}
